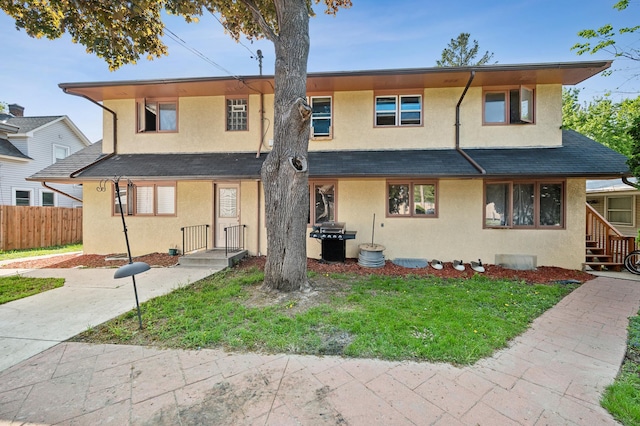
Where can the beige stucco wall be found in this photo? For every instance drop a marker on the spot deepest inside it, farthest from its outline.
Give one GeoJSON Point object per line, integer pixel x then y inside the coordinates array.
{"type": "Point", "coordinates": [201, 124]}
{"type": "Point", "coordinates": [147, 234]}
{"type": "Point", "coordinates": [457, 233]}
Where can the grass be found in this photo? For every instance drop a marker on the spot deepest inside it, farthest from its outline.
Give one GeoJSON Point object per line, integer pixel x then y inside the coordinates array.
{"type": "Point", "coordinates": [18, 254]}
{"type": "Point", "coordinates": [450, 320]}
{"type": "Point", "coordinates": [622, 398]}
{"type": "Point", "coordinates": [16, 287]}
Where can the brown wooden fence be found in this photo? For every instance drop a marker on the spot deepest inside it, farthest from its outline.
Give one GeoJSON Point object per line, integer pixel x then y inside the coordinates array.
{"type": "Point", "coordinates": [33, 227]}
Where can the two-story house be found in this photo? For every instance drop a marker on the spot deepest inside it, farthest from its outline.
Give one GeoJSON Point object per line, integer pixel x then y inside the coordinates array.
{"type": "Point", "coordinates": [29, 144]}
{"type": "Point", "coordinates": [455, 163]}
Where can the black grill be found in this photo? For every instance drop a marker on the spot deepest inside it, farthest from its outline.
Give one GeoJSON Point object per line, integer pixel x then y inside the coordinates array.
{"type": "Point", "coordinates": [333, 236]}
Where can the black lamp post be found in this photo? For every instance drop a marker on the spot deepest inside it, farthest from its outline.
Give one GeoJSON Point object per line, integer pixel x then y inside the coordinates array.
{"type": "Point", "coordinates": [132, 268]}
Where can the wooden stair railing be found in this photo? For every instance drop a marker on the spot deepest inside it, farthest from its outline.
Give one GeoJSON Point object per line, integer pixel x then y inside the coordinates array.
{"type": "Point", "coordinates": [606, 247]}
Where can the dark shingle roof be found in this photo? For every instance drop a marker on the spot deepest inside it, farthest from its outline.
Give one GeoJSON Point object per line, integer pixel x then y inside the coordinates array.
{"type": "Point", "coordinates": [27, 124]}
{"type": "Point", "coordinates": [9, 150]}
{"type": "Point", "coordinates": [62, 169]}
{"type": "Point", "coordinates": [578, 156]}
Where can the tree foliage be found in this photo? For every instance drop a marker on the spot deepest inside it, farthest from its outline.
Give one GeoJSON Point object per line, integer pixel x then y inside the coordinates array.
{"type": "Point", "coordinates": [122, 32]}
{"type": "Point", "coordinates": [604, 38]}
{"type": "Point", "coordinates": [602, 119]}
{"type": "Point", "coordinates": [459, 54]}
{"type": "Point", "coordinates": [634, 159]}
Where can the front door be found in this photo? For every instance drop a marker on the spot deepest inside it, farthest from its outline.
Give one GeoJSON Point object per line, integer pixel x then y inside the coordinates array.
{"type": "Point", "coordinates": [227, 210]}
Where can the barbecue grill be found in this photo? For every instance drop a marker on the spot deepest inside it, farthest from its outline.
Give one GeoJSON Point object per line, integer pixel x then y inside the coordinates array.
{"type": "Point", "coordinates": [333, 236]}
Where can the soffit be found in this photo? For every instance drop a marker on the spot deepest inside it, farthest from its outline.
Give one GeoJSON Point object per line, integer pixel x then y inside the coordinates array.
{"type": "Point", "coordinates": [569, 73]}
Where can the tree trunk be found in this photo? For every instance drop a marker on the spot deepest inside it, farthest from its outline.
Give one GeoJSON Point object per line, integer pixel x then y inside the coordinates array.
{"type": "Point", "coordinates": [284, 172]}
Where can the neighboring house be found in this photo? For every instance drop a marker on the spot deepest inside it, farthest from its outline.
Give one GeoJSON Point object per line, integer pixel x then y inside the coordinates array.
{"type": "Point", "coordinates": [28, 144]}
{"type": "Point", "coordinates": [617, 202]}
{"type": "Point", "coordinates": [455, 163]}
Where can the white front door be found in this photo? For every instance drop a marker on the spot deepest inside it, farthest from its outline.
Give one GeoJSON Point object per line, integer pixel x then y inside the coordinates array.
{"type": "Point", "coordinates": [227, 209]}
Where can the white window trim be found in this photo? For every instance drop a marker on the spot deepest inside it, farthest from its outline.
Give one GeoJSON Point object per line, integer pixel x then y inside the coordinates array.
{"type": "Point", "coordinates": [53, 151]}
{"type": "Point", "coordinates": [13, 195]}
{"type": "Point", "coordinates": [44, 191]}
{"type": "Point", "coordinates": [633, 210]}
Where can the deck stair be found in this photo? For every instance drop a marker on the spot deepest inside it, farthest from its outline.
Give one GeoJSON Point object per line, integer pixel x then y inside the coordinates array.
{"type": "Point", "coordinates": [605, 246]}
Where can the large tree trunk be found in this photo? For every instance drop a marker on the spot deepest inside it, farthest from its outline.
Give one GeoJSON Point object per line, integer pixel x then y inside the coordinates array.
{"type": "Point", "coordinates": [284, 172]}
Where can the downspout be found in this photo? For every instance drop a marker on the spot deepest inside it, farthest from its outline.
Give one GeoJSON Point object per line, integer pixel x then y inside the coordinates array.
{"type": "Point", "coordinates": [259, 216]}
{"type": "Point", "coordinates": [464, 154]}
{"type": "Point", "coordinates": [61, 192]}
{"type": "Point", "coordinates": [261, 124]}
{"type": "Point", "coordinates": [632, 184]}
{"type": "Point", "coordinates": [115, 133]}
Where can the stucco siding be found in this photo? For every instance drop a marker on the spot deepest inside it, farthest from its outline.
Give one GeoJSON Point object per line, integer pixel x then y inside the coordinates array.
{"type": "Point", "coordinates": [147, 234]}
{"type": "Point", "coordinates": [201, 125]}
{"type": "Point", "coordinates": [457, 233]}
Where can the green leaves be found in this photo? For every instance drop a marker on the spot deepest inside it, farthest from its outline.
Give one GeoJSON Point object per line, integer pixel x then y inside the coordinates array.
{"type": "Point", "coordinates": [458, 53]}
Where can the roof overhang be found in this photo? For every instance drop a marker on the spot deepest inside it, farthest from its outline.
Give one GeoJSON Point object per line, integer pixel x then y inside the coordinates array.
{"type": "Point", "coordinates": [565, 73]}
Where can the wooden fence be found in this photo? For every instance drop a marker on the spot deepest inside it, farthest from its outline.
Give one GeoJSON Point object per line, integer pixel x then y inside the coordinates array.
{"type": "Point", "coordinates": [33, 227]}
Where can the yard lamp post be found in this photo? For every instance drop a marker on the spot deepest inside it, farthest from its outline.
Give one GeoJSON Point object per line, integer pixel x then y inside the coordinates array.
{"type": "Point", "coordinates": [132, 268]}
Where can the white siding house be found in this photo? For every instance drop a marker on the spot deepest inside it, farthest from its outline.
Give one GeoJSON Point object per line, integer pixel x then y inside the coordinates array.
{"type": "Point", "coordinates": [29, 144]}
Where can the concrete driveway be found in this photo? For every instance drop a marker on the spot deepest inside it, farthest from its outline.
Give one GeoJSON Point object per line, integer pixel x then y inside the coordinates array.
{"type": "Point", "coordinates": [89, 297]}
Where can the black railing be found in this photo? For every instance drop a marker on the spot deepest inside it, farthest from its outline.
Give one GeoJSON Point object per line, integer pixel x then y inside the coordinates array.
{"type": "Point", "coordinates": [194, 238]}
{"type": "Point", "coordinates": [233, 238]}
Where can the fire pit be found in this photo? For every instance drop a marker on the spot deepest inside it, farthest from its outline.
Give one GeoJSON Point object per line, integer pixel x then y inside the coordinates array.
{"type": "Point", "coordinates": [333, 236]}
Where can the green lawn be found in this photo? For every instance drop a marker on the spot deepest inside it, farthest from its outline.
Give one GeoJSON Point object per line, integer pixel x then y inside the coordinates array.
{"type": "Point", "coordinates": [18, 254]}
{"type": "Point", "coordinates": [622, 398]}
{"type": "Point", "coordinates": [450, 320]}
{"type": "Point", "coordinates": [16, 287]}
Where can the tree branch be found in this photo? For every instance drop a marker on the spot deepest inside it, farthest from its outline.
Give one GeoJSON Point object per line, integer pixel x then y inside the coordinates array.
{"type": "Point", "coordinates": [259, 18]}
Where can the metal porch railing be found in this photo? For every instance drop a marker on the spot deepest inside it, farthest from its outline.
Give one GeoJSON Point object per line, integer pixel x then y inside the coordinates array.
{"type": "Point", "coordinates": [194, 238]}
{"type": "Point", "coordinates": [234, 238]}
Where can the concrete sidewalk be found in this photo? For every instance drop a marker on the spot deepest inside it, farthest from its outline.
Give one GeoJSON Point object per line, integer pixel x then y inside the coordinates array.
{"type": "Point", "coordinates": [89, 297]}
{"type": "Point", "coordinates": [554, 374]}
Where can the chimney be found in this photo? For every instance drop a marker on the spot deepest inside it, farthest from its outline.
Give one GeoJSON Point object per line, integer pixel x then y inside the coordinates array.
{"type": "Point", "coordinates": [16, 110]}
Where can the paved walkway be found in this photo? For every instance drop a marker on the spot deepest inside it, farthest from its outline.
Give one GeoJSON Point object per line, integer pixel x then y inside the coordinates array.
{"type": "Point", "coordinates": [89, 297]}
{"type": "Point", "coordinates": [553, 374]}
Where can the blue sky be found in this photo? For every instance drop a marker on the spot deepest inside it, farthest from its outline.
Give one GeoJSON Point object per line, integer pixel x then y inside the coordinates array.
{"type": "Point", "coordinates": [370, 35]}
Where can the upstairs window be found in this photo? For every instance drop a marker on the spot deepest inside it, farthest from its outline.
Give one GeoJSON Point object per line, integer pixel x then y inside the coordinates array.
{"type": "Point", "coordinates": [60, 152]}
{"type": "Point", "coordinates": [508, 106]}
{"type": "Point", "coordinates": [157, 116]}
{"type": "Point", "coordinates": [320, 116]}
{"type": "Point", "coordinates": [236, 114]}
{"type": "Point", "coordinates": [401, 110]}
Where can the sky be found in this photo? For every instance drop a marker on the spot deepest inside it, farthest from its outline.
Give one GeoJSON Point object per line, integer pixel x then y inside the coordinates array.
{"type": "Point", "coordinates": [371, 35]}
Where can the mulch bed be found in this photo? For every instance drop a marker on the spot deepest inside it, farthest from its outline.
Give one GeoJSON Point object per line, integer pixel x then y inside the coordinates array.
{"type": "Point", "coordinates": [543, 274]}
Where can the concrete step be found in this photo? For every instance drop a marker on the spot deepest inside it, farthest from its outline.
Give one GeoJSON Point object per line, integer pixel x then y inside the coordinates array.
{"type": "Point", "coordinates": [213, 258]}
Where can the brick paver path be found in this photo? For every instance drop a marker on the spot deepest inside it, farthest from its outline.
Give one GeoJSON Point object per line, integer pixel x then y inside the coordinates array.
{"type": "Point", "coordinates": [553, 374]}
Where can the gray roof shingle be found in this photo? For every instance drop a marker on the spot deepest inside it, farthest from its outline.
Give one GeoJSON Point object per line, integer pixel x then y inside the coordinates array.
{"type": "Point", "coordinates": [27, 124]}
{"type": "Point", "coordinates": [63, 168]}
{"type": "Point", "coordinates": [9, 150]}
{"type": "Point", "coordinates": [578, 156]}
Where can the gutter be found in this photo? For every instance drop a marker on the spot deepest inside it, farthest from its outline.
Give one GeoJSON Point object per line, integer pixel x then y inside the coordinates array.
{"type": "Point", "coordinates": [115, 132]}
{"type": "Point", "coordinates": [466, 156]}
{"type": "Point", "coordinates": [61, 192]}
